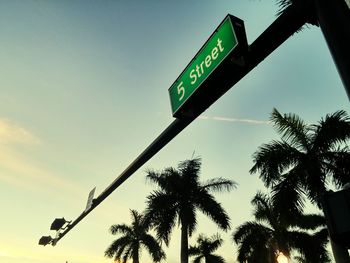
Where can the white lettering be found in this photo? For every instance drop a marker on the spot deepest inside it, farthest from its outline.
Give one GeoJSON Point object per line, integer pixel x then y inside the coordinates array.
{"type": "Point", "coordinates": [219, 45]}
{"type": "Point", "coordinates": [201, 67]}
{"type": "Point", "coordinates": [208, 61]}
{"type": "Point", "coordinates": [193, 76]}
{"type": "Point", "coordinates": [214, 53]}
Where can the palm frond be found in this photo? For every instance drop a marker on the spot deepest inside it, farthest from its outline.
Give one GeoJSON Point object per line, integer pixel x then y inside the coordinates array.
{"type": "Point", "coordinates": [153, 176]}
{"type": "Point", "coordinates": [136, 219]}
{"type": "Point", "coordinates": [322, 236]}
{"type": "Point", "coordinates": [283, 4]}
{"type": "Point", "coordinates": [288, 196]}
{"type": "Point", "coordinates": [215, 259]}
{"type": "Point", "coordinates": [321, 242]}
{"type": "Point", "coordinates": [263, 211]}
{"type": "Point", "coordinates": [117, 247]}
{"type": "Point", "coordinates": [190, 167]}
{"type": "Point", "coordinates": [313, 252]}
{"type": "Point", "coordinates": [292, 128]}
{"type": "Point", "coordinates": [127, 254]}
{"type": "Point", "coordinates": [333, 129]}
{"type": "Point", "coordinates": [194, 251]}
{"type": "Point", "coordinates": [299, 259]}
{"type": "Point", "coordinates": [215, 242]}
{"type": "Point", "coordinates": [120, 228]}
{"type": "Point", "coordinates": [251, 230]}
{"type": "Point", "coordinates": [219, 185]}
{"type": "Point", "coordinates": [153, 248]}
{"type": "Point", "coordinates": [210, 207]}
{"type": "Point", "coordinates": [310, 221]}
{"type": "Point", "coordinates": [119, 253]}
{"type": "Point", "coordinates": [164, 178]}
{"type": "Point", "coordinates": [162, 210]}
{"type": "Point", "coordinates": [198, 259]}
{"type": "Point", "coordinates": [274, 159]}
{"type": "Point", "coordinates": [315, 187]}
{"type": "Point", "coordinates": [336, 165]}
{"type": "Point", "coordinates": [209, 244]}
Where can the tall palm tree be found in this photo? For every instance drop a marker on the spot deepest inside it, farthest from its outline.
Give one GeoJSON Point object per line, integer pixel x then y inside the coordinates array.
{"type": "Point", "coordinates": [205, 248]}
{"type": "Point", "coordinates": [179, 195]}
{"type": "Point", "coordinates": [307, 160]}
{"type": "Point", "coordinates": [133, 238]}
{"type": "Point", "coordinates": [275, 231]}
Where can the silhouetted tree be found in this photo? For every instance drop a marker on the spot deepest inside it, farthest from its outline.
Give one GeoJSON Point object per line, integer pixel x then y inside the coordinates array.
{"type": "Point", "coordinates": [205, 248]}
{"type": "Point", "coordinates": [133, 238]}
{"type": "Point", "coordinates": [275, 231]}
{"type": "Point", "coordinates": [179, 195]}
{"type": "Point", "coordinates": [306, 159]}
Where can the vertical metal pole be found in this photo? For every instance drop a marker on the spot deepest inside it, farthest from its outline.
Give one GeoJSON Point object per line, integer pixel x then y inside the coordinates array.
{"type": "Point", "coordinates": [340, 253]}
{"type": "Point", "coordinates": [333, 17]}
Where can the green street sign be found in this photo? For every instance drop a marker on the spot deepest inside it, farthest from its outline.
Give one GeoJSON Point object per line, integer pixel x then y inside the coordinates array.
{"type": "Point", "coordinates": [219, 46]}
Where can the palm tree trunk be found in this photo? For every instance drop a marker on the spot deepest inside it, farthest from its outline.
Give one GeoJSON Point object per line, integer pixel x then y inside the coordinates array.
{"type": "Point", "coordinates": [135, 256]}
{"type": "Point", "coordinates": [184, 243]}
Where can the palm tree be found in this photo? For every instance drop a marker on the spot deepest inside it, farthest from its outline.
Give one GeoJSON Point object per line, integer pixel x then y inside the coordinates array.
{"type": "Point", "coordinates": [179, 195]}
{"type": "Point", "coordinates": [275, 231]}
{"type": "Point", "coordinates": [133, 238]}
{"type": "Point", "coordinates": [205, 248]}
{"type": "Point", "coordinates": [307, 160]}
{"type": "Point", "coordinates": [284, 4]}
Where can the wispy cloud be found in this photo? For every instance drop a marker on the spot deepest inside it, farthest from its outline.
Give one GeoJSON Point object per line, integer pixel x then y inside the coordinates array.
{"type": "Point", "coordinates": [226, 119]}
{"type": "Point", "coordinates": [13, 133]}
{"type": "Point", "coordinates": [24, 171]}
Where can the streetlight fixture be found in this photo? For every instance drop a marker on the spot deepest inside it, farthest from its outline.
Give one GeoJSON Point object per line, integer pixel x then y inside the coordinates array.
{"type": "Point", "coordinates": [58, 224]}
{"type": "Point", "coordinates": [45, 240]}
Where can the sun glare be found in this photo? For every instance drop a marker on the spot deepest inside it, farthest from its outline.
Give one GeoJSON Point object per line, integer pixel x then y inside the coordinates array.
{"type": "Point", "coordinates": [282, 258]}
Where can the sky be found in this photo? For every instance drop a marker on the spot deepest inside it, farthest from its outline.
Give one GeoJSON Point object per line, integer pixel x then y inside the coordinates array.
{"type": "Point", "coordinates": [84, 90]}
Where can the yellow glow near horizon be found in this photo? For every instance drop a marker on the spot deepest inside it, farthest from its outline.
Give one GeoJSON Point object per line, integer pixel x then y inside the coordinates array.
{"type": "Point", "coordinates": [20, 251]}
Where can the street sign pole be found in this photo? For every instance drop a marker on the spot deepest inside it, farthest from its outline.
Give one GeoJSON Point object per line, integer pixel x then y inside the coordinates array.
{"type": "Point", "coordinates": [333, 17]}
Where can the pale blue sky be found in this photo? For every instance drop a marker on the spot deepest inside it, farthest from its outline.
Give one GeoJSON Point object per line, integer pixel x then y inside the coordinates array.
{"type": "Point", "coordinates": [84, 90]}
